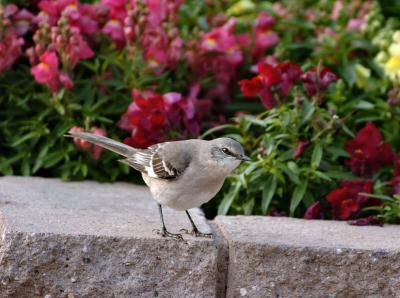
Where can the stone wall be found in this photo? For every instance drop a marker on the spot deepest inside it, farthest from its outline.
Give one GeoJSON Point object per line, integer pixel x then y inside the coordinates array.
{"type": "Point", "coordinates": [85, 239]}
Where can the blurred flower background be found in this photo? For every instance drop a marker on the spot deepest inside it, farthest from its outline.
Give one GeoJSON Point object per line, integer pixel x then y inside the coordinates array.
{"type": "Point", "coordinates": [310, 88]}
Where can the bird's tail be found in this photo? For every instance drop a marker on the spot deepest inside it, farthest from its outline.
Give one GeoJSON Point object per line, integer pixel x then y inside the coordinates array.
{"type": "Point", "coordinates": [104, 142]}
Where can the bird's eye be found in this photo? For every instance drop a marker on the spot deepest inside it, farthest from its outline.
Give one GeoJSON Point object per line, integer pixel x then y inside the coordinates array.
{"type": "Point", "coordinates": [226, 151]}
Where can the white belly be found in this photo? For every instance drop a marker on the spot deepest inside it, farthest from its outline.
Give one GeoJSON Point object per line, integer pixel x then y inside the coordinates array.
{"type": "Point", "coordinates": [186, 192]}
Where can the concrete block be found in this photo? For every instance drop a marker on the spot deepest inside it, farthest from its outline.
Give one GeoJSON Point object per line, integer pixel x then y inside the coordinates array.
{"type": "Point", "coordinates": [85, 239]}
{"type": "Point", "coordinates": [286, 257]}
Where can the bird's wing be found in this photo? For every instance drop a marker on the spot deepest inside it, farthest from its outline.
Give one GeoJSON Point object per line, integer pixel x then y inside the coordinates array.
{"type": "Point", "coordinates": [164, 161]}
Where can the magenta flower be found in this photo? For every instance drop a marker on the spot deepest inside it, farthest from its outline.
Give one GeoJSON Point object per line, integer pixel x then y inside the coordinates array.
{"type": "Point", "coordinates": [317, 79]}
{"type": "Point", "coordinates": [217, 54]}
{"type": "Point", "coordinates": [82, 16]}
{"type": "Point", "coordinates": [10, 49]}
{"type": "Point", "coordinates": [22, 21]}
{"type": "Point", "coordinates": [314, 211]}
{"type": "Point", "coordinates": [301, 145]}
{"type": "Point", "coordinates": [264, 37]}
{"type": "Point", "coordinates": [77, 49]}
{"type": "Point", "coordinates": [47, 73]}
{"type": "Point", "coordinates": [114, 26]}
{"type": "Point", "coordinates": [66, 81]}
{"type": "Point", "coordinates": [114, 29]}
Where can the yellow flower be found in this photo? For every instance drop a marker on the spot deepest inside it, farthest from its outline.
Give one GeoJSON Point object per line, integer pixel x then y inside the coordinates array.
{"type": "Point", "coordinates": [241, 7]}
{"type": "Point", "coordinates": [362, 76]}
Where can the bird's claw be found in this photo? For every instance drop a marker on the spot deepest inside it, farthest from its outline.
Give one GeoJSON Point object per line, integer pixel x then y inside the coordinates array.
{"type": "Point", "coordinates": [165, 233]}
{"type": "Point", "coordinates": [197, 233]}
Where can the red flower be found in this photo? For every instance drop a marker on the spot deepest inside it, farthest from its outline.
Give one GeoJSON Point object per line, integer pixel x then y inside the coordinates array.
{"type": "Point", "coordinates": [368, 152]}
{"type": "Point", "coordinates": [314, 211]}
{"type": "Point", "coordinates": [301, 145]}
{"type": "Point", "coordinates": [395, 181]}
{"type": "Point", "coordinates": [154, 118]}
{"type": "Point", "coordinates": [273, 83]}
{"type": "Point", "coordinates": [346, 201]}
{"type": "Point", "coordinates": [317, 79]}
{"type": "Point", "coordinates": [251, 87]}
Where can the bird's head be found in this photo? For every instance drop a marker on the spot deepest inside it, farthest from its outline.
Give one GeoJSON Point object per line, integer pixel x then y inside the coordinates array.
{"type": "Point", "coordinates": [227, 153]}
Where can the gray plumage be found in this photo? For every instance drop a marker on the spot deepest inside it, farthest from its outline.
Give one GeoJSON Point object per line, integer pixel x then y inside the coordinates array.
{"type": "Point", "coordinates": [181, 174]}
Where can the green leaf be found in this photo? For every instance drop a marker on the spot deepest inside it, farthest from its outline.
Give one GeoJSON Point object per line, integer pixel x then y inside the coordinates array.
{"type": "Point", "coordinates": [316, 156]}
{"type": "Point", "coordinates": [307, 110]}
{"type": "Point", "coordinates": [376, 196]}
{"type": "Point", "coordinates": [297, 196]}
{"type": "Point", "coordinates": [31, 135]}
{"type": "Point", "coordinates": [337, 174]}
{"type": "Point", "coordinates": [268, 193]}
{"type": "Point", "coordinates": [364, 105]}
{"type": "Point", "coordinates": [292, 175]}
{"type": "Point", "coordinates": [322, 176]}
{"type": "Point", "coordinates": [228, 199]}
{"type": "Point", "coordinates": [248, 207]}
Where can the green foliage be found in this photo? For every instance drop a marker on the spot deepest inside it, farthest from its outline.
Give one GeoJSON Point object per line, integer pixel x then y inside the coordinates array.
{"type": "Point", "coordinates": [33, 123]}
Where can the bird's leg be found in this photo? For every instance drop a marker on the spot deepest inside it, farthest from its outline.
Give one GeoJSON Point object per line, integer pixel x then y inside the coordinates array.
{"type": "Point", "coordinates": [164, 232]}
{"type": "Point", "coordinates": [195, 231]}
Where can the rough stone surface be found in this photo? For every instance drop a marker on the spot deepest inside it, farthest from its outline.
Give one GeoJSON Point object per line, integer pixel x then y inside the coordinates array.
{"type": "Point", "coordinates": [282, 257]}
{"type": "Point", "coordinates": [88, 239]}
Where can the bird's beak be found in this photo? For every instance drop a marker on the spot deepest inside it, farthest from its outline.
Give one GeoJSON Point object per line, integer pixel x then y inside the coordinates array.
{"type": "Point", "coordinates": [245, 158]}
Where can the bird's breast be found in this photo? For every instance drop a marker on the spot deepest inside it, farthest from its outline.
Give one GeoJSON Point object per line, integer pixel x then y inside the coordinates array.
{"type": "Point", "coordinates": [188, 191]}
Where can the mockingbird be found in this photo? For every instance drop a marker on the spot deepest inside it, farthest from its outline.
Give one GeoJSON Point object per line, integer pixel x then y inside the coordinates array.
{"type": "Point", "coordinates": [181, 174]}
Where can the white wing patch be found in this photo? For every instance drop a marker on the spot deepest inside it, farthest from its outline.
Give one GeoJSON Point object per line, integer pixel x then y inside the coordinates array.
{"type": "Point", "coordinates": [150, 162]}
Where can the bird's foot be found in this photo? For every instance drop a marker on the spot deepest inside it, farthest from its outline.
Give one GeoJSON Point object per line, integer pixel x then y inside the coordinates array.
{"type": "Point", "coordinates": [165, 233]}
{"type": "Point", "coordinates": [197, 233]}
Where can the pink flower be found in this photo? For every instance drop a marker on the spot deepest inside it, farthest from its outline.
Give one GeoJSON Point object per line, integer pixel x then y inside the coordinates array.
{"type": "Point", "coordinates": [301, 145]}
{"type": "Point", "coordinates": [264, 37]}
{"type": "Point", "coordinates": [218, 55]}
{"type": "Point", "coordinates": [114, 26]}
{"type": "Point", "coordinates": [77, 49]}
{"type": "Point", "coordinates": [337, 9]}
{"type": "Point", "coordinates": [97, 150]}
{"type": "Point", "coordinates": [10, 50]}
{"type": "Point", "coordinates": [94, 150]}
{"type": "Point", "coordinates": [222, 40]}
{"type": "Point", "coordinates": [159, 10]}
{"type": "Point", "coordinates": [66, 81]}
{"type": "Point", "coordinates": [46, 72]}
{"type": "Point", "coordinates": [355, 24]}
{"type": "Point", "coordinates": [82, 16]}
{"type": "Point", "coordinates": [114, 29]}
{"type": "Point", "coordinates": [22, 21]}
